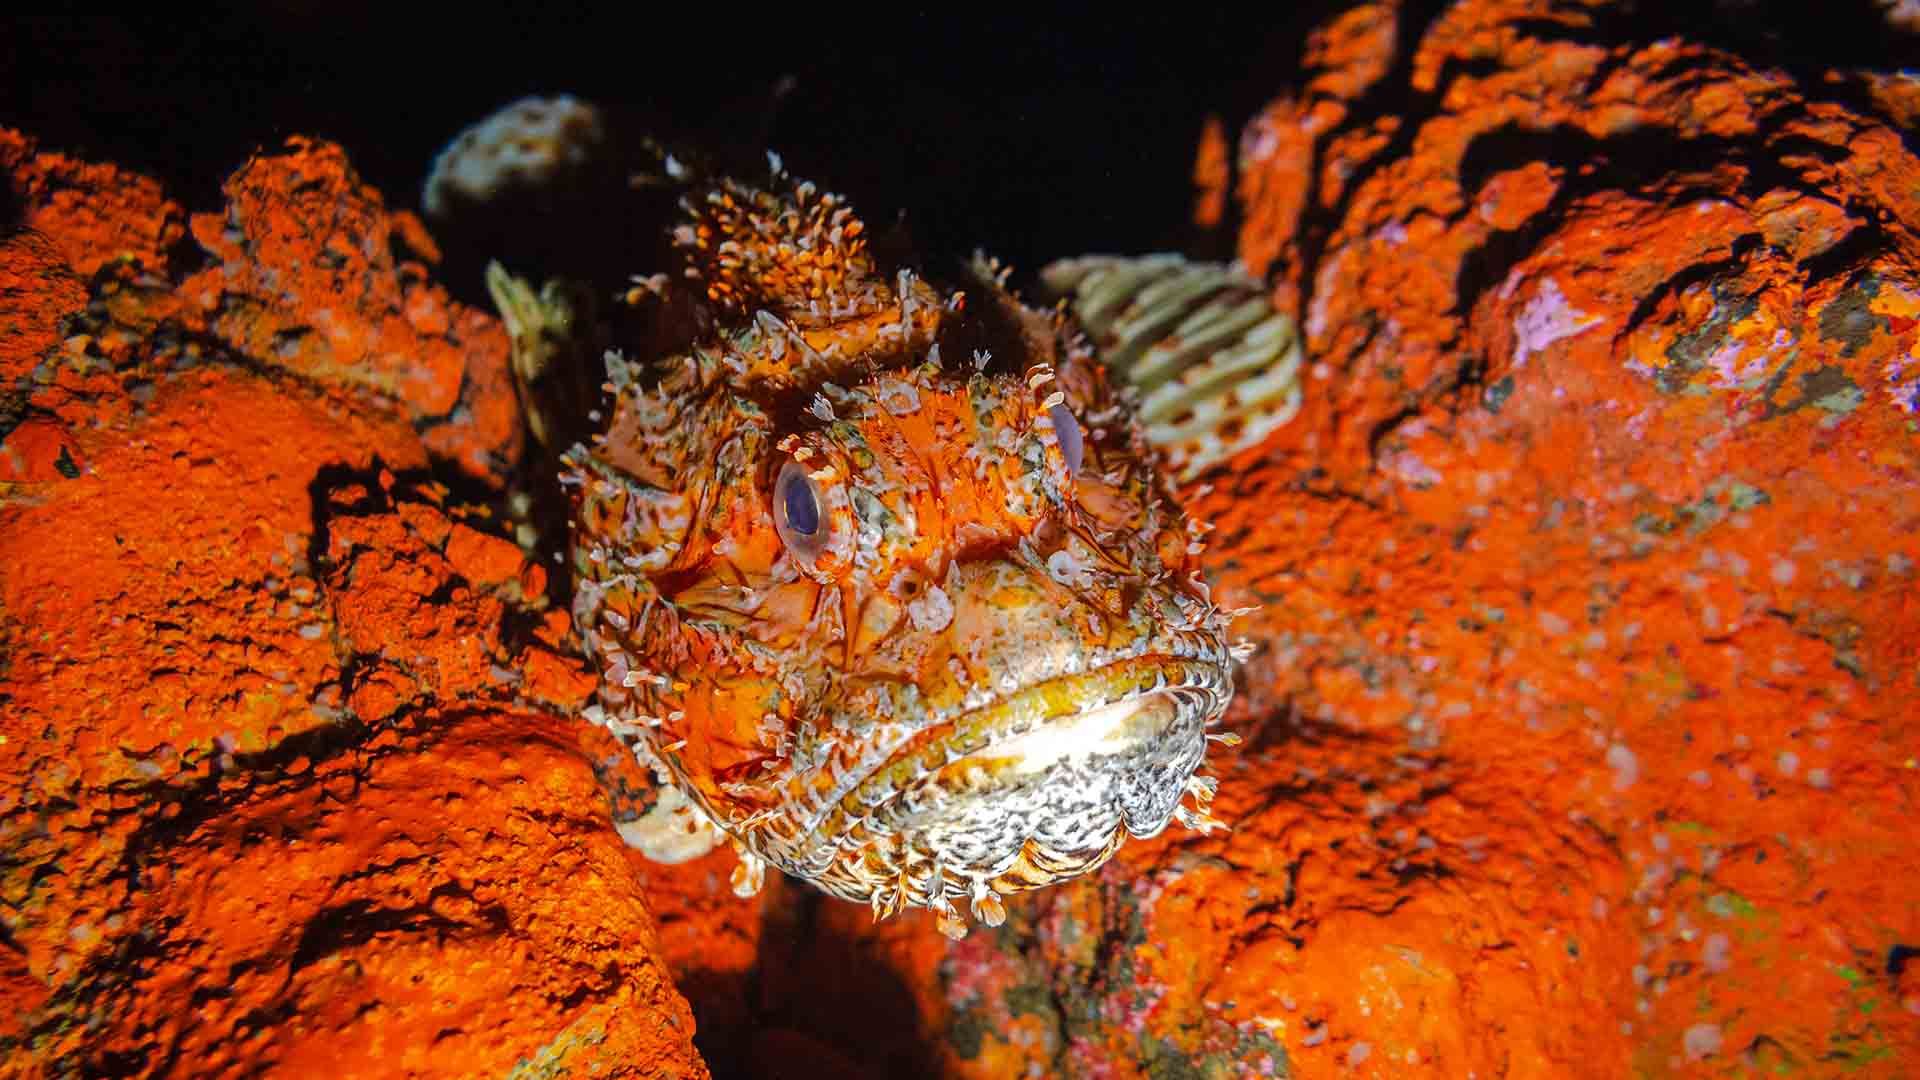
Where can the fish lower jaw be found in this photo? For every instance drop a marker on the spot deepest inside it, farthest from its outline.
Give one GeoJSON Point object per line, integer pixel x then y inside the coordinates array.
{"type": "Point", "coordinates": [1031, 789]}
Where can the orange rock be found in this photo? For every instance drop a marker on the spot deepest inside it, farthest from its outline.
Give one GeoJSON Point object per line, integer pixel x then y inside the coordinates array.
{"type": "Point", "coordinates": [372, 916]}
{"type": "Point", "coordinates": [93, 213]}
{"type": "Point", "coordinates": [1212, 174]}
{"type": "Point", "coordinates": [37, 289]}
{"type": "Point", "coordinates": [1582, 718]}
{"type": "Point", "coordinates": [306, 279]}
{"type": "Point", "coordinates": [270, 792]}
{"type": "Point", "coordinates": [39, 452]}
{"type": "Point", "coordinates": [482, 559]}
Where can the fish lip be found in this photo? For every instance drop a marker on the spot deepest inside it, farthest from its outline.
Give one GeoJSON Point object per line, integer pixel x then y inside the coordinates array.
{"type": "Point", "coordinates": [1011, 716]}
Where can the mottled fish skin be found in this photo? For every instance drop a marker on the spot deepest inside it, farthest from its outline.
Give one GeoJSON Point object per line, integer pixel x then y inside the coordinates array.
{"type": "Point", "coordinates": [884, 579]}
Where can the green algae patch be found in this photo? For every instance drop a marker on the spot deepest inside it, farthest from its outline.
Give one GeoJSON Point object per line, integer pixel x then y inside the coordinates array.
{"type": "Point", "coordinates": [1849, 319]}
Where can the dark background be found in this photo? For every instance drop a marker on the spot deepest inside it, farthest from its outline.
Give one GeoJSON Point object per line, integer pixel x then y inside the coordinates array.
{"type": "Point", "coordinates": [1033, 137]}
{"type": "Point", "coordinates": [1034, 134]}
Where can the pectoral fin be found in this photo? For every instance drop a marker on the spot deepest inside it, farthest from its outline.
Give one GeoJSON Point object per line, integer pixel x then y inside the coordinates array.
{"type": "Point", "coordinates": [1216, 367]}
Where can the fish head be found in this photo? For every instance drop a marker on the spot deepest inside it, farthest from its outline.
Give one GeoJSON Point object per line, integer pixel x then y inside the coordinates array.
{"type": "Point", "coordinates": [886, 577]}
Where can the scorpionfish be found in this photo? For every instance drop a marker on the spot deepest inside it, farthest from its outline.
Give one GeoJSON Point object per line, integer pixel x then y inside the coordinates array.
{"type": "Point", "coordinates": [888, 583]}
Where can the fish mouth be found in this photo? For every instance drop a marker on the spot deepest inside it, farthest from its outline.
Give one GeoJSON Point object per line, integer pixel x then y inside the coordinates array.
{"type": "Point", "coordinates": [1046, 781]}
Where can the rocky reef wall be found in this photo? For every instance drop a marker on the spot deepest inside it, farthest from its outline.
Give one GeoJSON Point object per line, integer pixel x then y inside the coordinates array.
{"type": "Point", "coordinates": [1581, 725]}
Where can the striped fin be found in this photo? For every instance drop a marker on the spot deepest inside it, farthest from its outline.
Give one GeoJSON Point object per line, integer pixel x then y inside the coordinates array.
{"type": "Point", "coordinates": [1217, 369]}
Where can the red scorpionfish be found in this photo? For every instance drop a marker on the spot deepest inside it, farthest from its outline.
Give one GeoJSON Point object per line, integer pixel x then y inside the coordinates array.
{"type": "Point", "coordinates": [888, 583]}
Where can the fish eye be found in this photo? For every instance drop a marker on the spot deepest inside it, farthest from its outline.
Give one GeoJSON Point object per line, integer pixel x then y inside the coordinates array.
{"type": "Point", "coordinates": [800, 517]}
{"type": "Point", "coordinates": [1066, 427]}
{"type": "Point", "coordinates": [799, 505]}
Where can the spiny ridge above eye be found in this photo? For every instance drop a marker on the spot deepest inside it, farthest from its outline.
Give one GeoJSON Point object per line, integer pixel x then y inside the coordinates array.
{"type": "Point", "coordinates": [795, 247]}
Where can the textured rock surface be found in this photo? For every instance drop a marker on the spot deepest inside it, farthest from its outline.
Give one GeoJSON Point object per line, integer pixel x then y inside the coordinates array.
{"type": "Point", "coordinates": [289, 773]}
{"type": "Point", "coordinates": [1581, 736]}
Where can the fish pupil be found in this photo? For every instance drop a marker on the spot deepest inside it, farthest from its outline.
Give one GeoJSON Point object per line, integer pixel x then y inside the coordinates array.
{"type": "Point", "coordinates": [803, 510]}
{"type": "Point", "coordinates": [1067, 429]}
